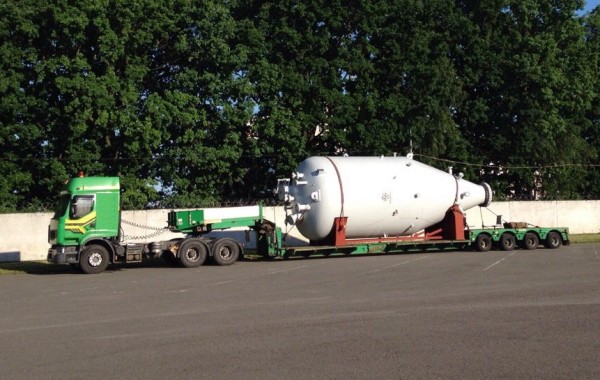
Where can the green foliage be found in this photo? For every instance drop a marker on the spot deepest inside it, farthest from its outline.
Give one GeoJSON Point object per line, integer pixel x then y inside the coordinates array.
{"type": "Point", "coordinates": [200, 103]}
{"type": "Point", "coordinates": [590, 186]}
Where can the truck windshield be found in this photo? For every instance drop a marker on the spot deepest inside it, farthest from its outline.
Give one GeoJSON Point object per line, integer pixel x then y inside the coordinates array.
{"type": "Point", "coordinates": [63, 204]}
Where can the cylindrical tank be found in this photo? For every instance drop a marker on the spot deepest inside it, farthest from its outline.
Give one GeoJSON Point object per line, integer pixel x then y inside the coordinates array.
{"type": "Point", "coordinates": [380, 196]}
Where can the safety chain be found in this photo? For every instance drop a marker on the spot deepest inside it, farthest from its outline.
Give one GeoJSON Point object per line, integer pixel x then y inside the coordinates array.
{"type": "Point", "coordinates": [157, 231]}
{"type": "Point", "coordinates": [141, 225]}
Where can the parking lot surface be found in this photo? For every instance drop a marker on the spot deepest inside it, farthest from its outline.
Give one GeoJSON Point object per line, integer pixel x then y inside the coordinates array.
{"type": "Point", "coordinates": [452, 315]}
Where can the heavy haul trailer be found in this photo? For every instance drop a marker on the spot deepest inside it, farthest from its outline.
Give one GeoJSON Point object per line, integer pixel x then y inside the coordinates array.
{"type": "Point", "coordinates": [357, 205]}
{"type": "Point", "coordinates": [442, 239]}
{"type": "Point", "coordinates": [449, 234]}
{"type": "Point", "coordinates": [342, 205]}
{"type": "Point", "coordinates": [394, 204]}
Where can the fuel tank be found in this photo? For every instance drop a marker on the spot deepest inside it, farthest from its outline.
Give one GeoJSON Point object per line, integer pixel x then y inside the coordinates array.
{"type": "Point", "coordinates": [380, 196]}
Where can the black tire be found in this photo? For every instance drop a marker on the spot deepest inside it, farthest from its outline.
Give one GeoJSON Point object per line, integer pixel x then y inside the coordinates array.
{"type": "Point", "coordinates": [192, 253]}
{"type": "Point", "coordinates": [553, 240]}
{"type": "Point", "coordinates": [483, 243]}
{"type": "Point", "coordinates": [508, 242]}
{"type": "Point", "coordinates": [93, 259]}
{"type": "Point", "coordinates": [531, 241]}
{"type": "Point", "coordinates": [225, 251]}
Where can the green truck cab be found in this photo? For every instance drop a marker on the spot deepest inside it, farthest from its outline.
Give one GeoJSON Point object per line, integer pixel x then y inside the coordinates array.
{"type": "Point", "coordinates": [86, 223]}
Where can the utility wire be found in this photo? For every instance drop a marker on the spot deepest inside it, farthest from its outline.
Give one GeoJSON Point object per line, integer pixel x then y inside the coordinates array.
{"type": "Point", "coordinates": [508, 166]}
{"type": "Point", "coordinates": [267, 156]}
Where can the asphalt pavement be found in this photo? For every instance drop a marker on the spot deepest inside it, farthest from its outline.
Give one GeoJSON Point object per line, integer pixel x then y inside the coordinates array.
{"type": "Point", "coordinates": [451, 315]}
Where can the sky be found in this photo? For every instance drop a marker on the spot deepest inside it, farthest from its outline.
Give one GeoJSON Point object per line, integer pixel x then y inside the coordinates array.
{"type": "Point", "coordinates": [590, 5]}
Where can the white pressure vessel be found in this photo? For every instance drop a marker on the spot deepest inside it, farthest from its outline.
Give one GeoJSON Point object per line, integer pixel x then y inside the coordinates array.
{"type": "Point", "coordinates": [380, 196]}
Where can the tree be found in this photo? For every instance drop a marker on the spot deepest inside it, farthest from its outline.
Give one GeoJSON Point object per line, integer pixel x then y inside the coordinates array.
{"type": "Point", "coordinates": [199, 103]}
{"type": "Point", "coordinates": [591, 133]}
{"type": "Point", "coordinates": [140, 90]}
{"type": "Point", "coordinates": [528, 88]}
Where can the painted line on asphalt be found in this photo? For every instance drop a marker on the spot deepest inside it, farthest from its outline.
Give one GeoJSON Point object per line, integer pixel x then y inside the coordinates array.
{"type": "Point", "coordinates": [398, 264]}
{"type": "Point", "coordinates": [501, 260]}
{"type": "Point", "coordinates": [287, 270]}
{"type": "Point", "coordinates": [596, 252]}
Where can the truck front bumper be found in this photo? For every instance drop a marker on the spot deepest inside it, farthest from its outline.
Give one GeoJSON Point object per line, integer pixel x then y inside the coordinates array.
{"type": "Point", "coordinates": [63, 255]}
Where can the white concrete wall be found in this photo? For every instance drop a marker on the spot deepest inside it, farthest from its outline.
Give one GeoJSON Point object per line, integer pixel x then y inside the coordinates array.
{"type": "Point", "coordinates": [23, 237]}
{"type": "Point", "coordinates": [582, 217]}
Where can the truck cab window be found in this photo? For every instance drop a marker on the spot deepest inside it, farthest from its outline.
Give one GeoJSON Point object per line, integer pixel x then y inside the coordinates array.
{"type": "Point", "coordinates": [63, 206]}
{"type": "Point", "coordinates": [81, 205]}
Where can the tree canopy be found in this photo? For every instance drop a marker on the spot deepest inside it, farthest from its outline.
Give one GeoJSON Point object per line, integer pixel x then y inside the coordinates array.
{"type": "Point", "coordinates": [200, 103]}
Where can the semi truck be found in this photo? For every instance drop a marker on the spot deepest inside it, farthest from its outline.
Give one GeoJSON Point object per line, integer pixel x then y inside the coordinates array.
{"type": "Point", "coordinates": [341, 205]}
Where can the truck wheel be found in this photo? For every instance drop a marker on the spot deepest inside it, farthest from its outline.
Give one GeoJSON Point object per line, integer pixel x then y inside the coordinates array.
{"type": "Point", "coordinates": [553, 240]}
{"type": "Point", "coordinates": [508, 242]}
{"type": "Point", "coordinates": [483, 243]}
{"type": "Point", "coordinates": [225, 251]}
{"type": "Point", "coordinates": [192, 253]}
{"type": "Point", "coordinates": [93, 259]}
{"type": "Point", "coordinates": [531, 241]}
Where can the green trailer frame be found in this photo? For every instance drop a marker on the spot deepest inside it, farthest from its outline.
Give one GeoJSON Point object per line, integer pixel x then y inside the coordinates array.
{"type": "Point", "coordinates": [528, 237]}
{"type": "Point", "coordinates": [493, 237]}
{"type": "Point", "coordinates": [198, 222]}
{"type": "Point", "coordinates": [271, 240]}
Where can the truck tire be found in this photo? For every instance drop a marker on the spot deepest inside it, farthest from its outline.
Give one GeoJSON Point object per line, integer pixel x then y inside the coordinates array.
{"type": "Point", "coordinates": [508, 242]}
{"type": "Point", "coordinates": [93, 259]}
{"type": "Point", "coordinates": [553, 240]}
{"type": "Point", "coordinates": [483, 243]}
{"type": "Point", "coordinates": [225, 251]}
{"type": "Point", "coordinates": [531, 241]}
{"type": "Point", "coordinates": [192, 253]}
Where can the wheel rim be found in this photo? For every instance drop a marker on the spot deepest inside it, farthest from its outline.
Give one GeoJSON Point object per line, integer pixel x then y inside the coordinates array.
{"type": "Point", "coordinates": [507, 242]}
{"type": "Point", "coordinates": [483, 243]}
{"type": "Point", "coordinates": [192, 254]}
{"type": "Point", "coordinates": [225, 253]}
{"type": "Point", "coordinates": [95, 259]}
